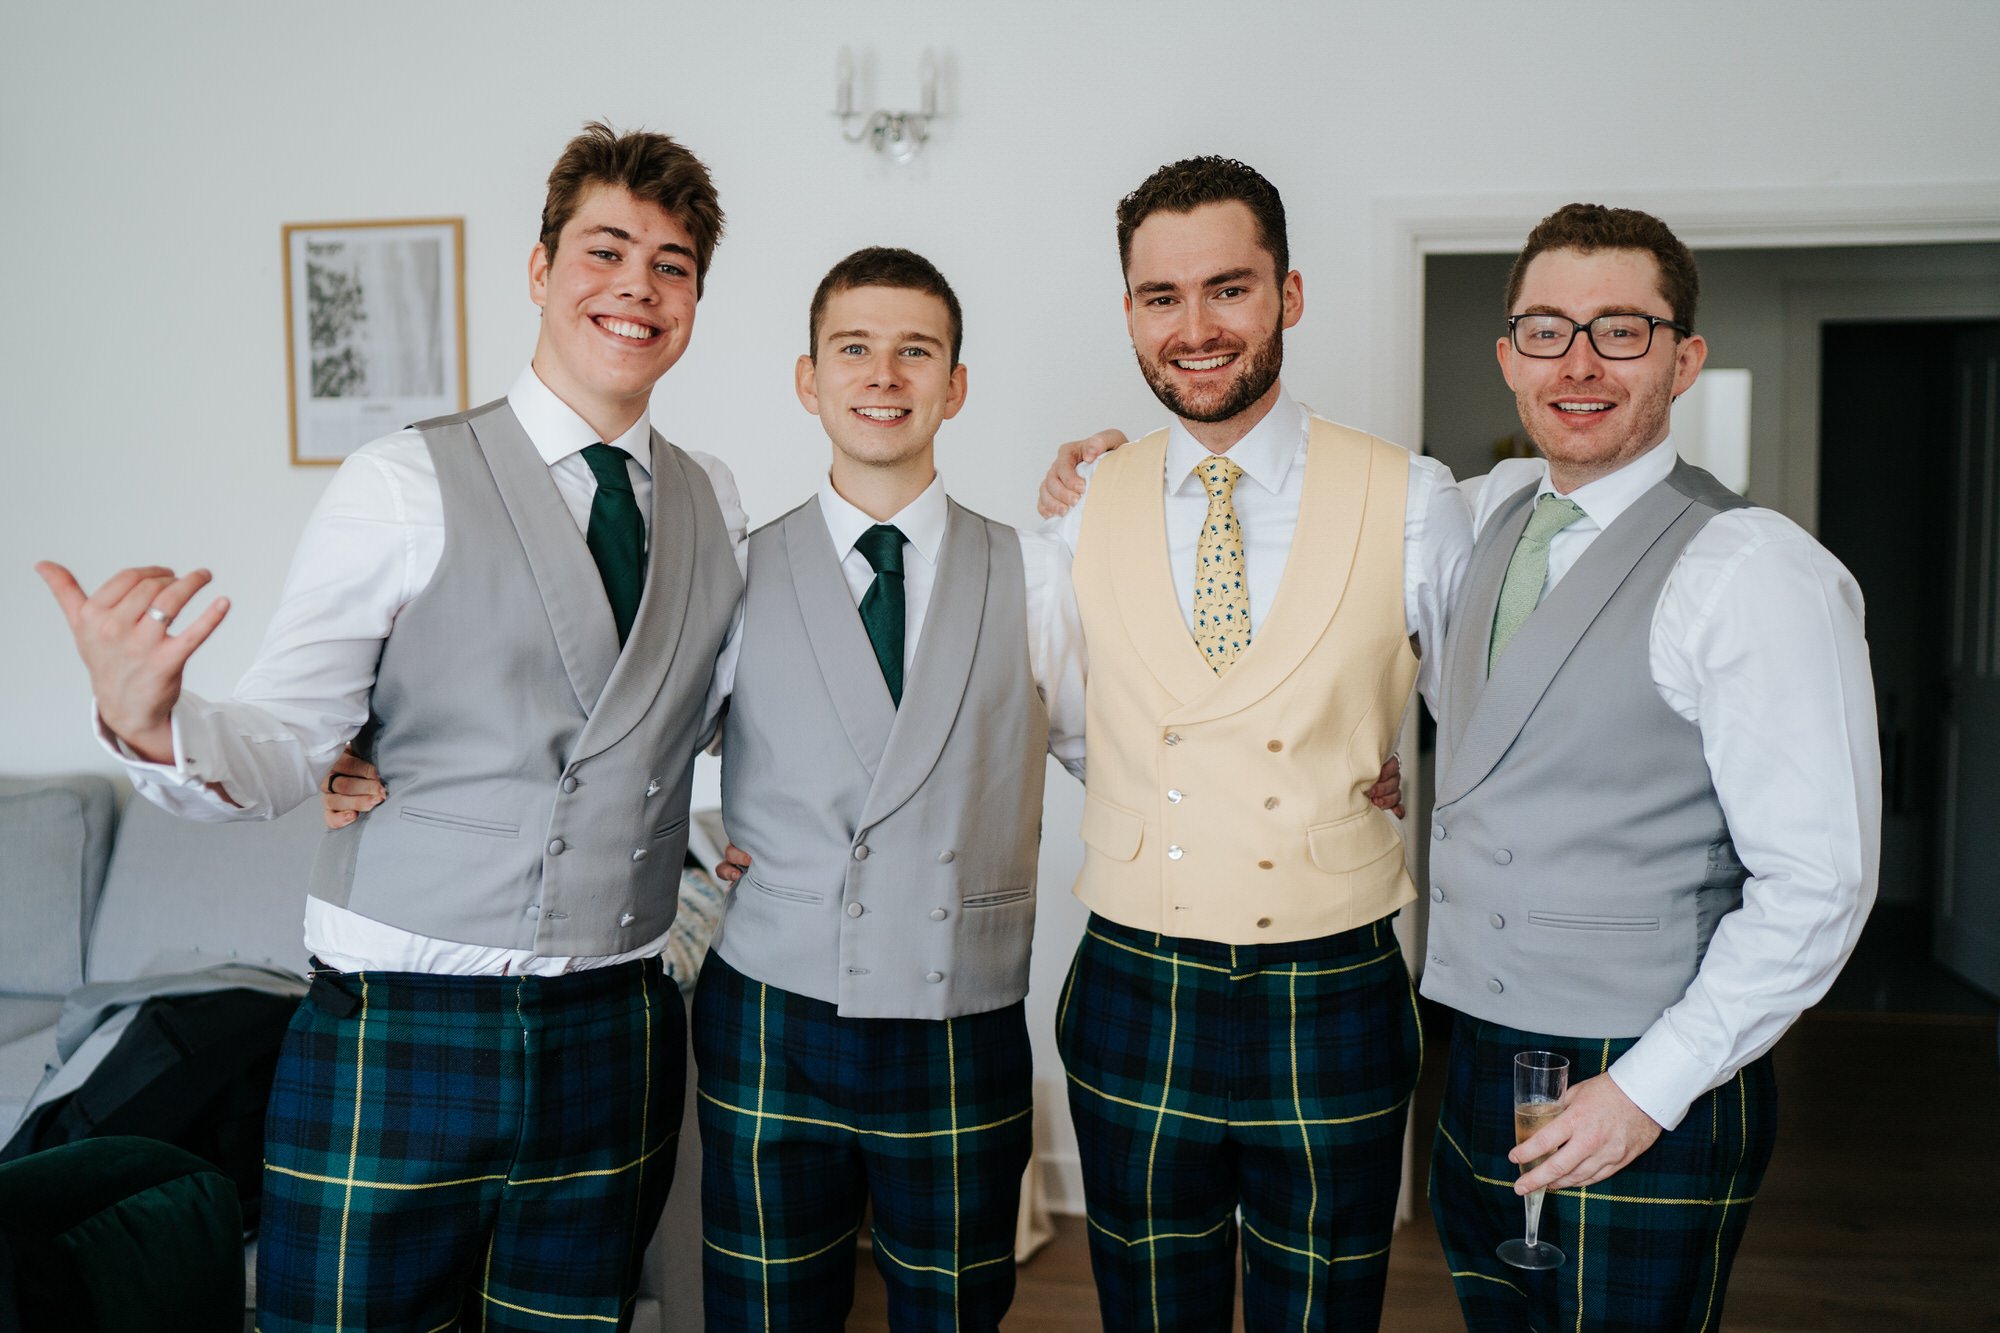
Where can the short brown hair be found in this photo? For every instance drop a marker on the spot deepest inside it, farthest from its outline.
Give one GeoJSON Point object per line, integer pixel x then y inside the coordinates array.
{"type": "Point", "coordinates": [884, 266]}
{"type": "Point", "coordinates": [1184, 186]}
{"type": "Point", "coordinates": [1590, 227]}
{"type": "Point", "coordinates": [652, 167]}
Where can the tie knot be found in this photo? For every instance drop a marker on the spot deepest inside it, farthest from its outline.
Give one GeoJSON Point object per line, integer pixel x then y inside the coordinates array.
{"type": "Point", "coordinates": [882, 547]}
{"type": "Point", "coordinates": [607, 464]}
{"type": "Point", "coordinates": [1552, 514]}
{"type": "Point", "coordinates": [1218, 477]}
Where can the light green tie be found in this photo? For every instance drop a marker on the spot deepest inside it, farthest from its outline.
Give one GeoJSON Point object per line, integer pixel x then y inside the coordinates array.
{"type": "Point", "coordinates": [1521, 591]}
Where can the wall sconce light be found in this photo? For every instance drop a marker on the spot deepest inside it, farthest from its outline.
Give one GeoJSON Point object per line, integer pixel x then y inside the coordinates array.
{"type": "Point", "coordinates": [897, 135]}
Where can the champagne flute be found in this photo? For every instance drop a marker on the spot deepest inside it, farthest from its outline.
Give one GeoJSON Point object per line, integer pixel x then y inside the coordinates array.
{"type": "Point", "coordinates": [1540, 1079]}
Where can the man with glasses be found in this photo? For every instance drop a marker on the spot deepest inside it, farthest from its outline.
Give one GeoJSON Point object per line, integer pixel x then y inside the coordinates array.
{"type": "Point", "coordinates": [1658, 807]}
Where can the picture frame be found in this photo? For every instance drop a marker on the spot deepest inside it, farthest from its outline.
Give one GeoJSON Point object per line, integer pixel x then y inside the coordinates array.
{"type": "Point", "coordinates": [374, 330]}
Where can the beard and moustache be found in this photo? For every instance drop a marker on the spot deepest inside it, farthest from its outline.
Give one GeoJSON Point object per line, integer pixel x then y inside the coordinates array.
{"type": "Point", "coordinates": [1257, 370]}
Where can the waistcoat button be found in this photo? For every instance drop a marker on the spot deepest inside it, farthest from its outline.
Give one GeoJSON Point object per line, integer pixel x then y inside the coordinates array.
{"type": "Point", "coordinates": [1263, 865]}
{"type": "Point", "coordinates": [1503, 857]}
{"type": "Point", "coordinates": [854, 909]}
{"type": "Point", "coordinates": [934, 977]}
{"type": "Point", "coordinates": [937, 914]}
{"type": "Point", "coordinates": [1493, 984]}
{"type": "Point", "coordinates": [653, 787]}
{"type": "Point", "coordinates": [946, 857]}
{"type": "Point", "coordinates": [568, 785]}
{"type": "Point", "coordinates": [1498, 922]}
{"type": "Point", "coordinates": [638, 853]}
{"type": "Point", "coordinates": [1274, 746]}
{"type": "Point", "coordinates": [1437, 832]}
{"type": "Point", "coordinates": [556, 846]}
{"type": "Point", "coordinates": [1173, 795]}
{"type": "Point", "coordinates": [1270, 803]}
{"type": "Point", "coordinates": [1263, 923]}
{"type": "Point", "coordinates": [1437, 894]}
{"type": "Point", "coordinates": [1174, 853]}
{"type": "Point", "coordinates": [1173, 738]}
{"type": "Point", "coordinates": [861, 852]}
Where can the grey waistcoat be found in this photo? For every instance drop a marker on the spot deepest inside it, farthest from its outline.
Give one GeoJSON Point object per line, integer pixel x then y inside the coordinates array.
{"type": "Point", "coordinates": [1581, 860]}
{"type": "Point", "coordinates": [893, 850]}
{"type": "Point", "coordinates": [538, 777]}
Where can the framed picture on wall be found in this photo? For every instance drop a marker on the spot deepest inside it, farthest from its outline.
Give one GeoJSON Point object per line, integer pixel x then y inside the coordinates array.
{"type": "Point", "coordinates": [374, 330]}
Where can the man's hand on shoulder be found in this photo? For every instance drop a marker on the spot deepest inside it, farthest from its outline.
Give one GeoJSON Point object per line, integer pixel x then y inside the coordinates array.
{"type": "Point", "coordinates": [123, 634]}
{"type": "Point", "coordinates": [1597, 1135]}
{"type": "Point", "coordinates": [1063, 487]}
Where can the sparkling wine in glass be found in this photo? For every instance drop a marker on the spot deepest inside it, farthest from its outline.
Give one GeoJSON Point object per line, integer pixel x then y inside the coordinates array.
{"type": "Point", "coordinates": [1540, 1079]}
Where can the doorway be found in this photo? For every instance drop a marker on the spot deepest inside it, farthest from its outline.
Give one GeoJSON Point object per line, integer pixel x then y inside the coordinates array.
{"type": "Point", "coordinates": [1906, 496]}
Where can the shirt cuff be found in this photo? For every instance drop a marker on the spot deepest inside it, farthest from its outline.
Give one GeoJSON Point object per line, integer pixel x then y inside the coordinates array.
{"type": "Point", "coordinates": [180, 773]}
{"type": "Point", "coordinates": [1661, 1076]}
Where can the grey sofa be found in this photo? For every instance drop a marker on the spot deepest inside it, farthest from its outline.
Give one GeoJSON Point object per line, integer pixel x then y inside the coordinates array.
{"type": "Point", "coordinates": [95, 894]}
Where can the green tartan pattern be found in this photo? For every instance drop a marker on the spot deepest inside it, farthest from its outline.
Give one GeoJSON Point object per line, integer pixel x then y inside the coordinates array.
{"type": "Point", "coordinates": [484, 1152]}
{"type": "Point", "coordinates": [807, 1116]}
{"type": "Point", "coordinates": [1204, 1078]}
{"type": "Point", "coordinates": [1649, 1249]}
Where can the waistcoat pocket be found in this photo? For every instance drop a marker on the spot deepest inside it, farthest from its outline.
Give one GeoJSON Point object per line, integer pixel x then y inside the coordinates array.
{"type": "Point", "coordinates": [995, 899]}
{"type": "Point", "coordinates": [1351, 843]}
{"type": "Point", "coordinates": [1111, 829]}
{"type": "Point", "coordinates": [1574, 921]}
{"type": "Point", "coordinates": [459, 823]}
{"type": "Point", "coordinates": [790, 895]}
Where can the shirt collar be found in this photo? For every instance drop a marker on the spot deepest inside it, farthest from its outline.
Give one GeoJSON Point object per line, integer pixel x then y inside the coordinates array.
{"type": "Point", "coordinates": [557, 431]}
{"type": "Point", "coordinates": [1609, 496]}
{"type": "Point", "coordinates": [922, 520]}
{"type": "Point", "coordinates": [1265, 454]}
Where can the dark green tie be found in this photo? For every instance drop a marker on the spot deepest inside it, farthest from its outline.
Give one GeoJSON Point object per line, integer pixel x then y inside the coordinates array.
{"type": "Point", "coordinates": [616, 537]}
{"type": "Point", "coordinates": [882, 605]}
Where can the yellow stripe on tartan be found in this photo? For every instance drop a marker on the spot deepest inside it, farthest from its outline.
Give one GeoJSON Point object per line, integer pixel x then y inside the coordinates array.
{"type": "Point", "coordinates": [1230, 971]}
{"type": "Point", "coordinates": [1242, 1124]}
{"type": "Point", "coordinates": [1488, 1277]}
{"type": "Point", "coordinates": [645, 1113]}
{"type": "Point", "coordinates": [1313, 1255]}
{"type": "Point", "coordinates": [956, 1272]}
{"type": "Point", "coordinates": [486, 1277]}
{"type": "Point", "coordinates": [765, 1262]}
{"type": "Point", "coordinates": [951, 1068]}
{"type": "Point", "coordinates": [1154, 1236]}
{"type": "Point", "coordinates": [1305, 1142]}
{"type": "Point", "coordinates": [1731, 1199]}
{"type": "Point", "coordinates": [756, 1161]}
{"type": "Point", "coordinates": [449, 1323]}
{"type": "Point", "coordinates": [501, 1177]}
{"type": "Point", "coordinates": [1721, 1223]}
{"type": "Point", "coordinates": [491, 1299]}
{"type": "Point", "coordinates": [1159, 1123]}
{"type": "Point", "coordinates": [353, 1156]}
{"type": "Point", "coordinates": [824, 1123]}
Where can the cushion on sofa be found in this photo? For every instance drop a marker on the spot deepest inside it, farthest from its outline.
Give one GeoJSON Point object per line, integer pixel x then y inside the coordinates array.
{"type": "Point", "coordinates": [57, 832]}
{"type": "Point", "coordinates": [181, 895]}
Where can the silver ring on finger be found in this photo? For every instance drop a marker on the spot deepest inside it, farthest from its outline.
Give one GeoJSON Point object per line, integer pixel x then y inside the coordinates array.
{"type": "Point", "coordinates": [159, 616]}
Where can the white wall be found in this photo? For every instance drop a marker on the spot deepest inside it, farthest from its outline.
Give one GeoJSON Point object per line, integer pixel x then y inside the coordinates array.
{"type": "Point", "coordinates": [150, 153]}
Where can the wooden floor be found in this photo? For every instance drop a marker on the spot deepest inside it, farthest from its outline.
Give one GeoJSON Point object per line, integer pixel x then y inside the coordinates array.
{"type": "Point", "coordinates": [1878, 1214]}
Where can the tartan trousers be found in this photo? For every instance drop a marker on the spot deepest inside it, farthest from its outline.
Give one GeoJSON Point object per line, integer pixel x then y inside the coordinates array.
{"type": "Point", "coordinates": [1648, 1249]}
{"type": "Point", "coordinates": [469, 1152]}
{"type": "Point", "coordinates": [807, 1116]}
{"type": "Point", "coordinates": [1206, 1078]}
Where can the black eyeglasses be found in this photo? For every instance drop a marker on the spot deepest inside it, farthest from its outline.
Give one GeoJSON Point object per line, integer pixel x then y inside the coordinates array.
{"type": "Point", "coordinates": [1613, 337]}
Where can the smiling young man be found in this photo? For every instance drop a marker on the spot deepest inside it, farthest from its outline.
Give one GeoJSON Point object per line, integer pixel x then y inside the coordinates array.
{"type": "Point", "coordinates": [906, 667]}
{"type": "Point", "coordinates": [1658, 808]}
{"type": "Point", "coordinates": [1260, 588]}
{"type": "Point", "coordinates": [520, 609]}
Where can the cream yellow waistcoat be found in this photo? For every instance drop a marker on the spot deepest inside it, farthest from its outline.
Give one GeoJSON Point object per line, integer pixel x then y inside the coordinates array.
{"type": "Point", "coordinates": [1230, 808]}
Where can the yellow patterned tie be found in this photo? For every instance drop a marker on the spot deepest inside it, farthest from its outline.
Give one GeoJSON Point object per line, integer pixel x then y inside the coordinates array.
{"type": "Point", "coordinates": [1221, 597]}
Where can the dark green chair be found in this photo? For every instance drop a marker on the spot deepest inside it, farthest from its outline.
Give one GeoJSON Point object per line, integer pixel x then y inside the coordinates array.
{"type": "Point", "coordinates": [116, 1235]}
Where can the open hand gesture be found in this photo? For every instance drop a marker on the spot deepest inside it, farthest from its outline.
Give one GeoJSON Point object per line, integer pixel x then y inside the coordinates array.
{"type": "Point", "coordinates": [135, 663]}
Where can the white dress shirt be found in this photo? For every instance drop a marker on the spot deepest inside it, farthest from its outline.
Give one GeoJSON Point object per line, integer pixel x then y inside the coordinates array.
{"type": "Point", "coordinates": [369, 549]}
{"type": "Point", "coordinates": [1437, 531]}
{"type": "Point", "coordinates": [1055, 630]}
{"type": "Point", "coordinates": [1757, 640]}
